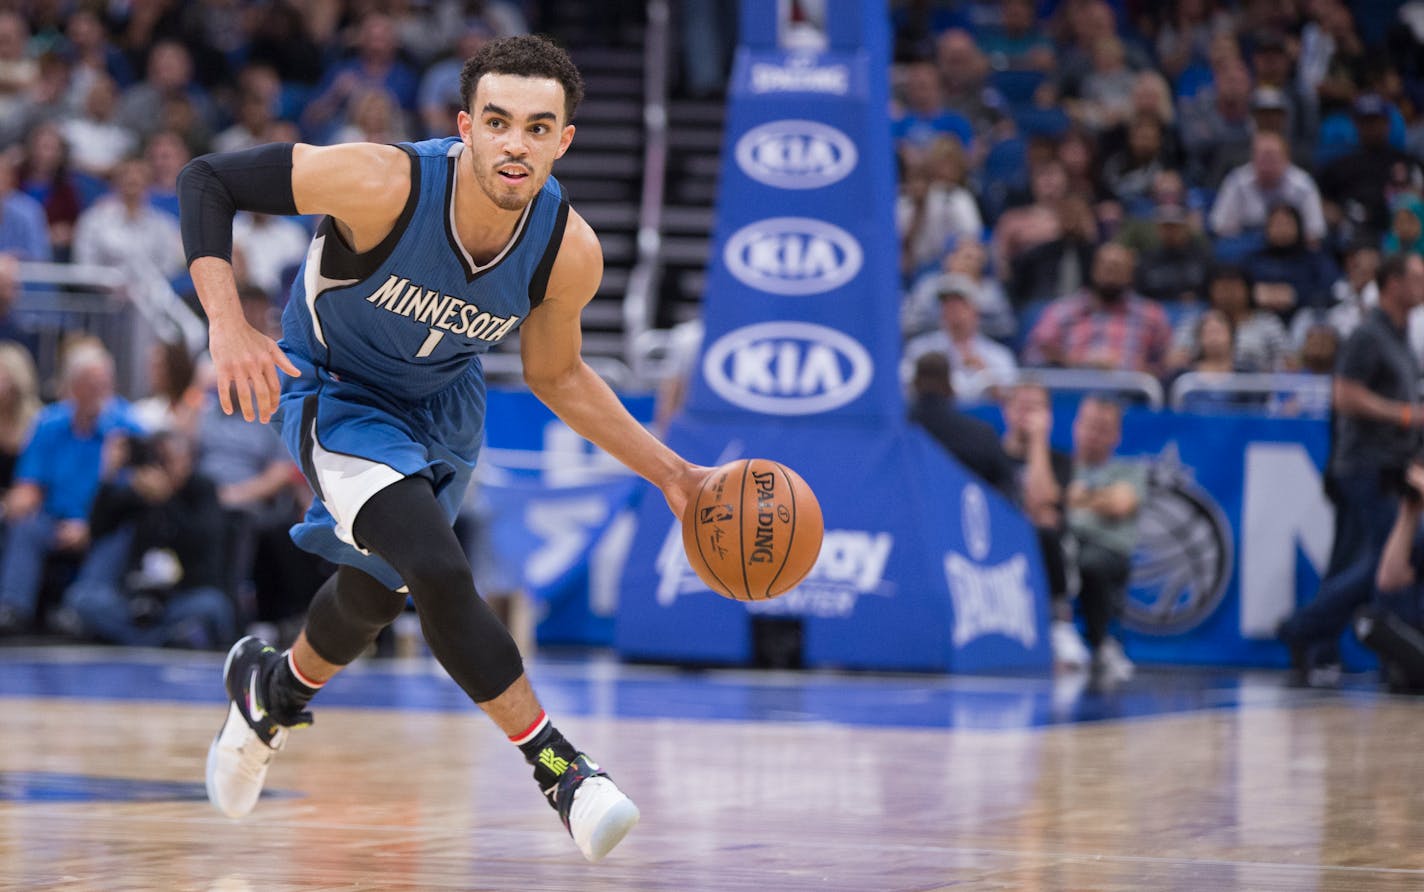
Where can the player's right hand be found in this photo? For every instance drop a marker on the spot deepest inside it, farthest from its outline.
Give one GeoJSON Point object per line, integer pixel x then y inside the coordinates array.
{"type": "Point", "coordinates": [245, 361]}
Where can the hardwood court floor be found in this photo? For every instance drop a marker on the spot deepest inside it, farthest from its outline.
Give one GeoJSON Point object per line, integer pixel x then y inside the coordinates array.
{"type": "Point", "coordinates": [747, 782]}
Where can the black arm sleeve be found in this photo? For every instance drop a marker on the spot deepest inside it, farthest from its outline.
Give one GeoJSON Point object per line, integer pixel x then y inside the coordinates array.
{"type": "Point", "coordinates": [213, 188]}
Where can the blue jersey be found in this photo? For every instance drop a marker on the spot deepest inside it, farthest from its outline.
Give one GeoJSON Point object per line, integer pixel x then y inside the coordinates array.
{"type": "Point", "coordinates": [411, 315]}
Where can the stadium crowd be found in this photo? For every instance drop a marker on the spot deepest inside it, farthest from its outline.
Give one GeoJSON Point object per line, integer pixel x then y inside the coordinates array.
{"type": "Point", "coordinates": [1159, 188]}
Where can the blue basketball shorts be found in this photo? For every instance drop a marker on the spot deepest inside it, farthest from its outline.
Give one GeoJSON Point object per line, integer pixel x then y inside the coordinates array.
{"type": "Point", "coordinates": [352, 440]}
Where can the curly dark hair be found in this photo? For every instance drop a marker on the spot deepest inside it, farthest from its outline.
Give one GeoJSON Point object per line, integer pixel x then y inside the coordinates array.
{"type": "Point", "coordinates": [530, 55]}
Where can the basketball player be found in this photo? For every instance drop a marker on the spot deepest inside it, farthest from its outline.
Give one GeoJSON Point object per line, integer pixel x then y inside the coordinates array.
{"type": "Point", "coordinates": [428, 254]}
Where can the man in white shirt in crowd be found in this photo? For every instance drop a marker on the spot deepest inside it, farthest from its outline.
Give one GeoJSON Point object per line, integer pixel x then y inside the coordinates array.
{"type": "Point", "coordinates": [123, 227]}
{"type": "Point", "coordinates": [976, 363]}
{"type": "Point", "coordinates": [1250, 191]}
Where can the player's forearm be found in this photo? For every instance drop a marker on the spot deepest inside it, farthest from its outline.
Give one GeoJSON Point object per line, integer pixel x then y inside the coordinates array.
{"type": "Point", "coordinates": [585, 403]}
{"type": "Point", "coordinates": [216, 286]}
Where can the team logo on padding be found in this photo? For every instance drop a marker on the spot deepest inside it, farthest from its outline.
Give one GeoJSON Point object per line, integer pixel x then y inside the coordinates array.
{"type": "Point", "coordinates": [1184, 554]}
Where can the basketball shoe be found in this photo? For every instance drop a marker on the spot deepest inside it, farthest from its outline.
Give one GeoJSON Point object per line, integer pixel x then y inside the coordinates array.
{"type": "Point", "coordinates": [250, 736]}
{"type": "Point", "coordinates": [595, 812]}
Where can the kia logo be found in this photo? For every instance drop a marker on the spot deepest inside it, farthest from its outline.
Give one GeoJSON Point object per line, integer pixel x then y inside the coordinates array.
{"type": "Point", "coordinates": [793, 256]}
{"type": "Point", "coordinates": [796, 154]}
{"type": "Point", "coordinates": [787, 368]}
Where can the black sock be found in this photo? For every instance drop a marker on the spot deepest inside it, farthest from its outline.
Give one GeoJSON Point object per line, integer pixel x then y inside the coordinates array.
{"type": "Point", "coordinates": [287, 695]}
{"type": "Point", "coordinates": [547, 750]}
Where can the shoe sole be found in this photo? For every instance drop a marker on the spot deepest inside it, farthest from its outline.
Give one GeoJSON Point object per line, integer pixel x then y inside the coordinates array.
{"type": "Point", "coordinates": [621, 817]}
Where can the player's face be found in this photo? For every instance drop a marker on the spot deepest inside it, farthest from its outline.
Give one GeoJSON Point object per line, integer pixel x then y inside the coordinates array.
{"type": "Point", "coordinates": [514, 133]}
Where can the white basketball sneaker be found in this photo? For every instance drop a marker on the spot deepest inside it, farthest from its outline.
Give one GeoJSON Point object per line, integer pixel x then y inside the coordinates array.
{"type": "Point", "coordinates": [596, 813]}
{"type": "Point", "coordinates": [249, 737]}
{"type": "Point", "coordinates": [1069, 651]}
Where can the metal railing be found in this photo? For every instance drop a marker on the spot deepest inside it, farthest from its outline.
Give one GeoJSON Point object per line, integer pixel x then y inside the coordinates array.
{"type": "Point", "coordinates": [1134, 386]}
{"type": "Point", "coordinates": [127, 308]}
{"type": "Point", "coordinates": [645, 279]}
{"type": "Point", "coordinates": [1312, 389]}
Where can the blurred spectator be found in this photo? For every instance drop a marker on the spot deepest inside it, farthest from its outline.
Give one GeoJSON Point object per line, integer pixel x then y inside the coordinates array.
{"type": "Point", "coordinates": [372, 116]}
{"type": "Point", "coordinates": [1274, 69]}
{"type": "Point", "coordinates": [18, 70]}
{"type": "Point", "coordinates": [262, 494]}
{"type": "Point", "coordinates": [1104, 326]}
{"type": "Point", "coordinates": [1329, 49]}
{"type": "Point", "coordinates": [964, 73]}
{"type": "Point", "coordinates": [925, 117]}
{"type": "Point", "coordinates": [1186, 34]}
{"type": "Point", "coordinates": [975, 362]}
{"type": "Point", "coordinates": [708, 30]}
{"type": "Point", "coordinates": [1261, 341]}
{"type": "Point", "coordinates": [970, 440]}
{"type": "Point", "coordinates": [255, 114]}
{"type": "Point", "coordinates": [1216, 124]}
{"type": "Point", "coordinates": [1021, 228]}
{"type": "Point", "coordinates": [166, 153]}
{"type": "Point", "coordinates": [932, 213]}
{"type": "Point", "coordinates": [49, 98]}
{"type": "Point", "coordinates": [97, 140]}
{"type": "Point", "coordinates": [154, 573]}
{"type": "Point", "coordinates": [1361, 182]}
{"type": "Point", "coordinates": [1320, 344]}
{"type": "Point", "coordinates": [1017, 42]}
{"type": "Point", "coordinates": [375, 65]}
{"type": "Point", "coordinates": [1077, 151]}
{"type": "Point", "coordinates": [1176, 269]}
{"type": "Point", "coordinates": [1129, 173]}
{"type": "Point", "coordinates": [440, 98]}
{"type": "Point", "coordinates": [1087, 24]}
{"type": "Point", "coordinates": [1407, 228]}
{"type": "Point", "coordinates": [284, 38]}
{"type": "Point", "coordinates": [176, 402]}
{"type": "Point", "coordinates": [1216, 344]}
{"type": "Point", "coordinates": [23, 230]}
{"type": "Point", "coordinates": [1351, 297]}
{"type": "Point", "coordinates": [271, 246]}
{"type": "Point", "coordinates": [92, 55]}
{"type": "Point", "coordinates": [1304, 273]}
{"type": "Point", "coordinates": [1107, 89]}
{"type": "Point", "coordinates": [1060, 265]}
{"type": "Point", "coordinates": [47, 508]}
{"type": "Point", "coordinates": [169, 77]}
{"type": "Point", "coordinates": [123, 227]}
{"type": "Point", "coordinates": [1043, 476]}
{"type": "Point", "coordinates": [1139, 230]}
{"type": "Point", "coordinates": [1375, 429]}
{"type": "Point", "coordinates": [969, 261]}
{"type": "Point", "coordinates": [1250, 191]}
{"type": "Point", "coordinates": [10, 330]}
{"type": "Point", "coordinates": [19, 404]}
{"type": "Point", "coordinates": [44, 175]}
{"type": "Point", "coordinates": [1103, 501]}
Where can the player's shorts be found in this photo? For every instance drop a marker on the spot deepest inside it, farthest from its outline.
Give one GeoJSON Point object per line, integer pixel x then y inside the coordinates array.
{"type": "Point", "coordinates": [352, 441]}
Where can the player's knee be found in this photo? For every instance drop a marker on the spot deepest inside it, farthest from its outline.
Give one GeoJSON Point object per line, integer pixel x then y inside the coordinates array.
{"type": "Point", "coordinates": [440, 575]}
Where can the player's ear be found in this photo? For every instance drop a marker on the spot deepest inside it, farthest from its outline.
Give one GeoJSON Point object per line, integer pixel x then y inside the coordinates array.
{"type": "Point", "coordinates": [464, 124]}
{"type": "Point", "coordinates": [566, 137]}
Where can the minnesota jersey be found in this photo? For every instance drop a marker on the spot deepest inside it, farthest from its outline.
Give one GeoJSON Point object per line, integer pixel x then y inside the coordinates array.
{"type": "Point", "coordinates": [412, 314]}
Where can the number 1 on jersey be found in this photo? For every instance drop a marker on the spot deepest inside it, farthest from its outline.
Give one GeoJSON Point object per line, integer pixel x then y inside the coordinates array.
{"type": "Point", "coordinates": [430, 341]}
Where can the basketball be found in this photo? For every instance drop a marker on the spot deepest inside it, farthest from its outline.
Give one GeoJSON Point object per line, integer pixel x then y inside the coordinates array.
{"type": "Point", "coordinates": [754, 530]}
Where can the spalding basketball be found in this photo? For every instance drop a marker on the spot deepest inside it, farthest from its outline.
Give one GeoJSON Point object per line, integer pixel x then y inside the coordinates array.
{"type": "Point", "coordinates": [753, 531]}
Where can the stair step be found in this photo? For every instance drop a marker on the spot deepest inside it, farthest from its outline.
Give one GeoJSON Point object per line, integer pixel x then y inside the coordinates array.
{"type": "Point", "coordinates": [604, 137]}
{"type": "Point", "coordinates": [602, 165]}
{"type": "Point", "coordinates": [684, 219]}
{"type": "Point", "coordinates": [624, 60]}
{"type": "Point", "coordinates": [609, 215]}
{"type": "Point", "coordinates": [695, 139]}
{"type": "Point", "coordinates": [609, 85]}
{"type": "Point", "coordinates": [695, 111]}
{"type": "Point", "coordinates": [610, 109]}
{"type": "Point", "coordinates": [687, 250]}
{"type": "Point", "coordinates": [583, 189]}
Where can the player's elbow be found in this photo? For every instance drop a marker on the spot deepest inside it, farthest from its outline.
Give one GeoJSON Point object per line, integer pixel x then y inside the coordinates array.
{"type": "Point", "coordinates": [548, 382]}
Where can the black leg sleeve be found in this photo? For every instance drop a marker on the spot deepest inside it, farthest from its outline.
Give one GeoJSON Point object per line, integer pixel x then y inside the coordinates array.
{"type": "Point", "coordinates": [406, 526]}
{"type": "Point", "coordinates": [347, 613]}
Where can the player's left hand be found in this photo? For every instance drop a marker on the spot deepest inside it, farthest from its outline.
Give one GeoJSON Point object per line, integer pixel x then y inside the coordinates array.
{"type": "Point", "coordinates": [683, 488]}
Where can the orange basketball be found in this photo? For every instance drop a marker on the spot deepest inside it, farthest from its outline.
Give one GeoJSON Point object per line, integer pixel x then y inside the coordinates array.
{"type": "Point", "coordinates": [753, 531]}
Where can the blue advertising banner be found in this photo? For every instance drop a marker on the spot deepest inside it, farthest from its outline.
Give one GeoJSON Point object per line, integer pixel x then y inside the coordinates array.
{"type": "Point", "coordinates": [921, 568]}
